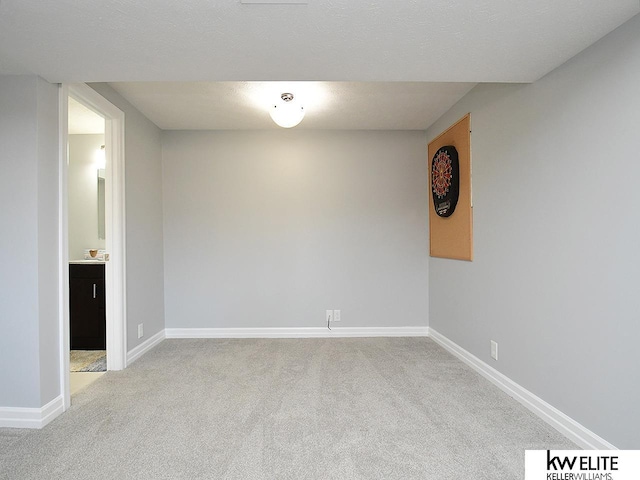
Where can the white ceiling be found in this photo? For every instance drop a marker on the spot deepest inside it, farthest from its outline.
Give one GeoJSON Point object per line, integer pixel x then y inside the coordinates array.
{"type": "Point", "coordinates": [328, 105]}
{"type": "Point", "coordinates": [356, 43]}
{"type": "Point", "coordinates": [82, 120]}
{"type": "Point", "coordinates": [332, 40]}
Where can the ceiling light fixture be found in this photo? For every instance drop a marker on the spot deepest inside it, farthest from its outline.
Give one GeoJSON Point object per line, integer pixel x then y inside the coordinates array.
{"type": "Point", "coordinates": [287, 113]}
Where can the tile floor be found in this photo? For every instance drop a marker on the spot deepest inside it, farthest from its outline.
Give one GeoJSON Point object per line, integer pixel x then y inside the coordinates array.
{"type": "Point", "coordinates": [80, 380]}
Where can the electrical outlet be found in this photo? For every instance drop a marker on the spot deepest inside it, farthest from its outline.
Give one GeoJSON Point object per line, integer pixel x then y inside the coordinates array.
{"type": "Point", "coordinates": [336, 315]}
{"type": "Point", "coordinates": [494, 350]}
{"type": "Point", "coordinates": [329, 316]}
{"type": "Point", "coordinates": [140, 330]}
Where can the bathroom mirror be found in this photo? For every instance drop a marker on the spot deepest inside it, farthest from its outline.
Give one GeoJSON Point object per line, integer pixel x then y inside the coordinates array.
{"type": "Point", "coordinates": [101, 201]}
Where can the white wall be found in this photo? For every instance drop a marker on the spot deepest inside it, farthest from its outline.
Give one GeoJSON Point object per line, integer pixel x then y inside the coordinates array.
{"type": "Point", "coordinates": [29, 344]}
{"type": "Point", "coordinates": [270, 229]}
{"type": "Point", "coordinates": [143, 192]}
{"type": "Point", "coordinates": [556, 228]}
{"type": "Point", "coordinates": [83, 194]}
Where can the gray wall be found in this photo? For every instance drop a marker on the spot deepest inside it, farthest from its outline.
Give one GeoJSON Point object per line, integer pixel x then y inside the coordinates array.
{"type": "Point", "coordinates": [143, 192]}
{"type": "Point", "coordinates": [556, 230]}
{"type": "Point", "coordinates": [270, 229]}
{"type": "Point", "coordinates": [83, 194]}
{"type": "Point", "coordinates": [48, 240]}
{"type": "Point", "coordinates": [29, 344]}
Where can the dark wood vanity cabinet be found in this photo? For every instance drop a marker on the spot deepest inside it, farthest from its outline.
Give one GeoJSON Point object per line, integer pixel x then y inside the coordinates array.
{"type": "Point", "coordinates": [87, 316]}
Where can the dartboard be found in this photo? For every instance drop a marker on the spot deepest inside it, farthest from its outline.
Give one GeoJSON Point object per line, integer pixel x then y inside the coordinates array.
{"type": "Point", "coordinates": [445, 180]}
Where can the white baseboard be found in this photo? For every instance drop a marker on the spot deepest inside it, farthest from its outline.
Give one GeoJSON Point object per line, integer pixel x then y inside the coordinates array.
{"type": "Point", "coordinates": [144, 347]}
{"type": "Point", "coordinates": [309, 332]}
{"type": "Point", "coordinates": [14, 417]}
{"type": "Point", "coordinates": [571, 429]}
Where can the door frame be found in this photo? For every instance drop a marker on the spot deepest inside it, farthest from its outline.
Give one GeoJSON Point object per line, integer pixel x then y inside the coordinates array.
{"type": "Point", "coordinates": [115, 268]}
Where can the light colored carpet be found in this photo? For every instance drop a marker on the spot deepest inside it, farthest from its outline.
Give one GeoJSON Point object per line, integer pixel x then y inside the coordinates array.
{"type": "Point", "coordinates": [383, 408]}
{"type": "Point", "coordinates": [88, 361]}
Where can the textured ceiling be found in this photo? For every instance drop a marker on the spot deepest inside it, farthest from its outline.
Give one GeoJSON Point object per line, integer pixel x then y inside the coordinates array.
{"type": "Point", "coordinates": [328, 105]}
{"type": "Point", "coordinates": [346, 52]}
{"type": "Point", "coordinates": [334, 40]}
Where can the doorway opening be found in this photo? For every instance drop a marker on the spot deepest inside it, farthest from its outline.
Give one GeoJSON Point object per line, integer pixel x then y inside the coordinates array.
{"type": "Point", "coordinates": [92, 243]}
{"type": "Point", "coordinates": [86, 175]}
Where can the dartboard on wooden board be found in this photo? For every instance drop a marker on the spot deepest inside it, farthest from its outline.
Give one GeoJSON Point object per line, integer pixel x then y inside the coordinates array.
{"type": "Point", "coordinates": [445, 180]}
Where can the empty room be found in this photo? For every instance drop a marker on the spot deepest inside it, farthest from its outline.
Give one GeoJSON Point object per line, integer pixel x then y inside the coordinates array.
{"type": "Point", "coordinates": [318, 239]}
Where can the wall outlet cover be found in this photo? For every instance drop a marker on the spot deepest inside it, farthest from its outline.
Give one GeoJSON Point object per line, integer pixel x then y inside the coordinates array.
{"type": "Point", "coordinates": [329, 316]}
{"type": "Point", "coordinates": [140, 330]}
{"type": "Point", "coordinates": [494, 350]}
{"type": "Point", "coordinates": [336, 315]}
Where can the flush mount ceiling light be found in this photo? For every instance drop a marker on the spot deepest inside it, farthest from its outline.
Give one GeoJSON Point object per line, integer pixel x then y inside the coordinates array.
{"type": "Point", "coordinates": [287, 113]}
{"type": "Point", "coordinates": [276, 2]}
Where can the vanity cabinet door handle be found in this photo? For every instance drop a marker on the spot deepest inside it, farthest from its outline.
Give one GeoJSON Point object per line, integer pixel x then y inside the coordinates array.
{"type": "Point", "coordinates": [94, 290]}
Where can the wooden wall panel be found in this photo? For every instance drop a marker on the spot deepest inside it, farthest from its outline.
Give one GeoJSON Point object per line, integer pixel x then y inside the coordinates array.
{"type": "Point", "coordinates": [452, 237]}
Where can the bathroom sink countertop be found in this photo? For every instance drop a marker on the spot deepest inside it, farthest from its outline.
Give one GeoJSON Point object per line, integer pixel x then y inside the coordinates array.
{"type": "Point", "coordinates": [78, 262]}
